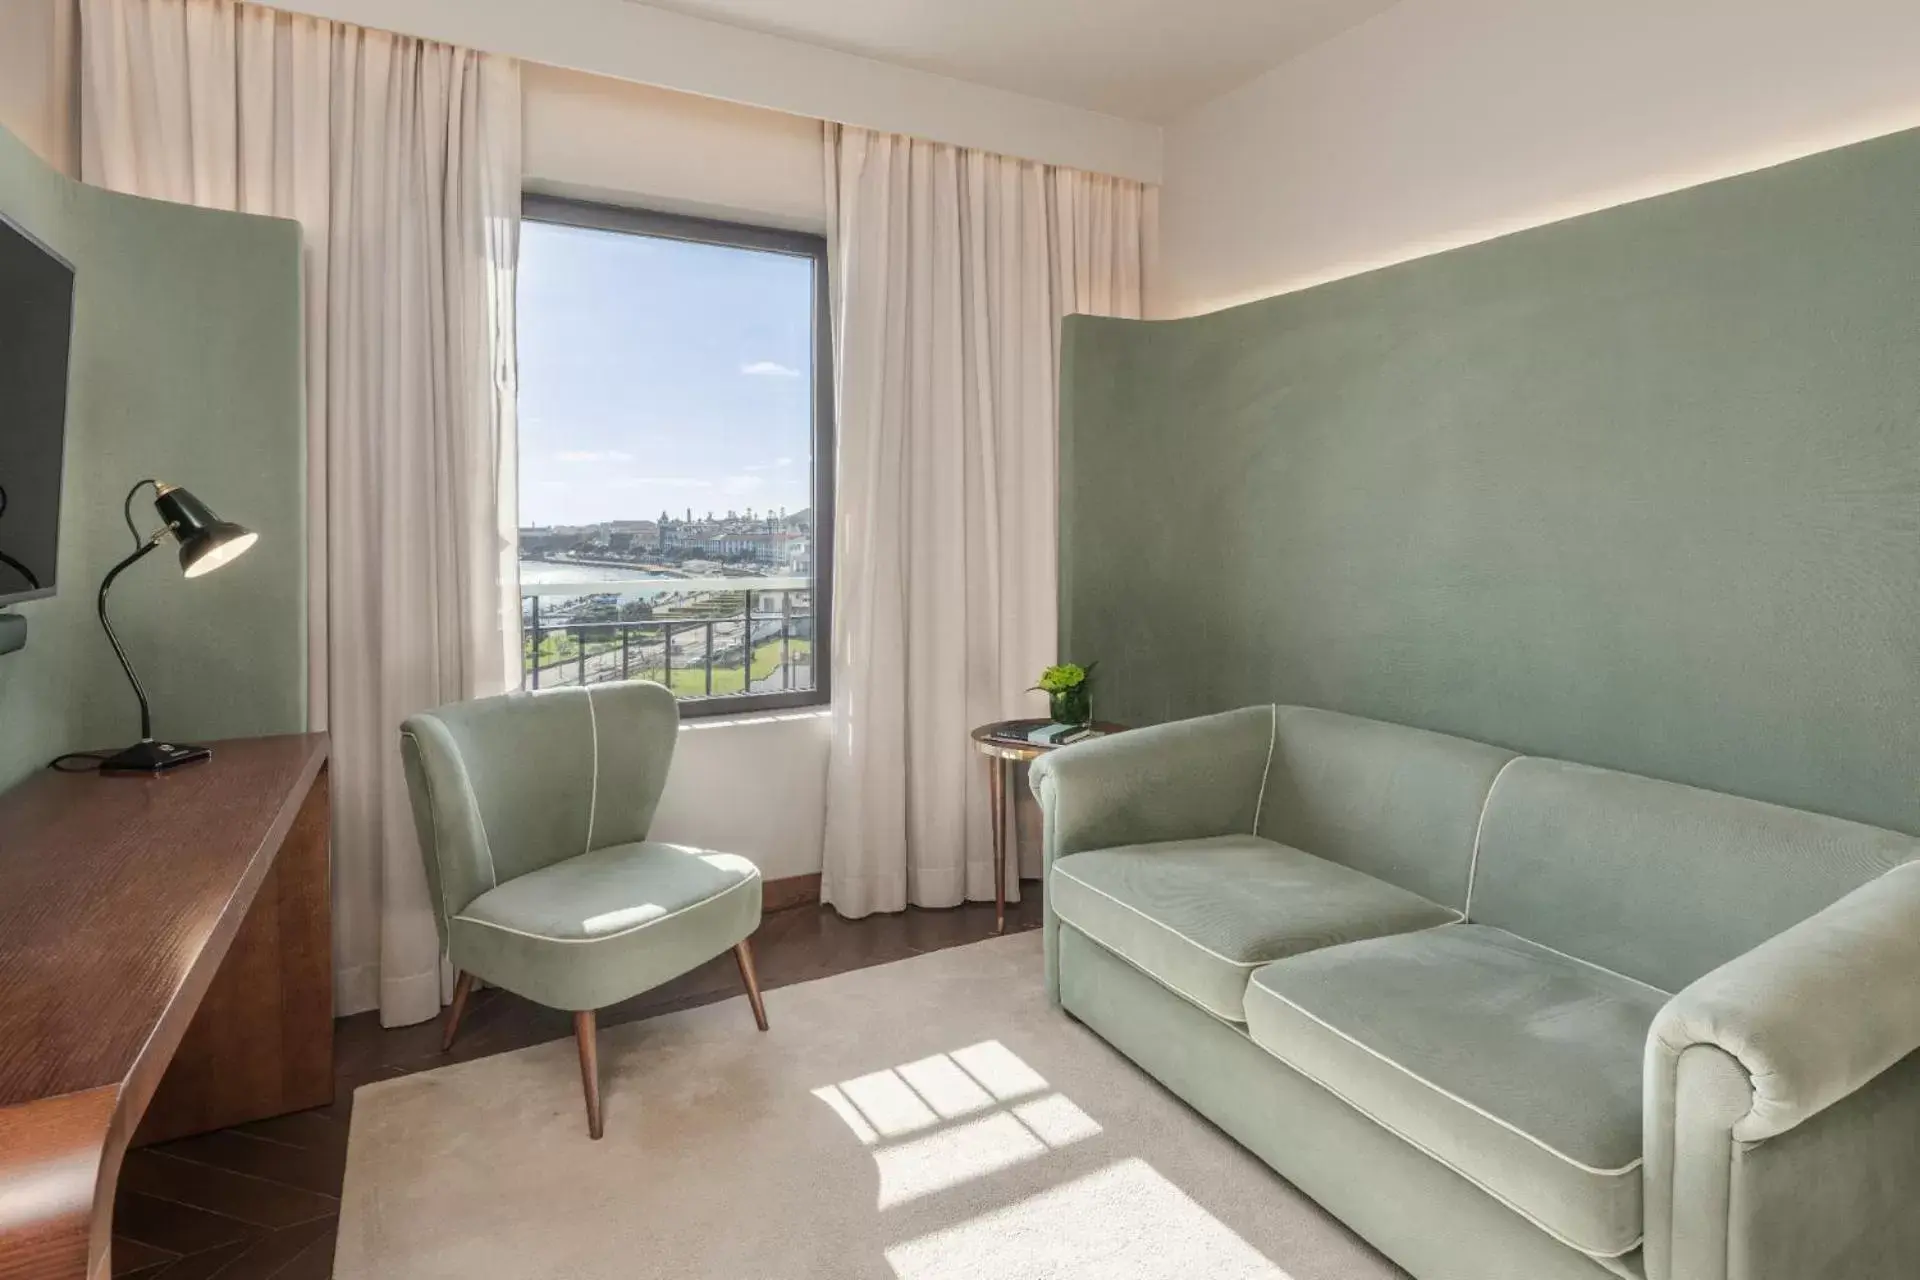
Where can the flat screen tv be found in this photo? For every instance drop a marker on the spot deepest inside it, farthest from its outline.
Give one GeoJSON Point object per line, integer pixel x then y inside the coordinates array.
{"type": "Point", "coordinates": [36, 328]}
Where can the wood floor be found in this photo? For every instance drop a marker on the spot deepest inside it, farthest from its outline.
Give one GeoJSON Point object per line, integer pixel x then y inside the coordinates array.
{"type": "Point", "coordinates": [261, 1201]}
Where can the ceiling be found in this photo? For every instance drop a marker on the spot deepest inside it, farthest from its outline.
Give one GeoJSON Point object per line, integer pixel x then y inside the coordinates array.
{"type": "Point", "coordinates": [1145, 60]}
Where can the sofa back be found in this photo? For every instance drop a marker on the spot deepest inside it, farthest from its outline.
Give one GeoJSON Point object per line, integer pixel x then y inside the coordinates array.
{"type": "Point", "coordinates": [1654, 880]}
{"type": "Point", "coordinates": [1399, 804]}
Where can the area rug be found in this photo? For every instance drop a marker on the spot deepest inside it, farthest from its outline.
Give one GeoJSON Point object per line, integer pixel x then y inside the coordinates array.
{"type": "Point", "coordinates": [933, 1119]}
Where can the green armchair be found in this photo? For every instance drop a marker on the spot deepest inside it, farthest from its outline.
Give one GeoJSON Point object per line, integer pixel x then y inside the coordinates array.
{"type": "Point", "coordinates": [533, 811]}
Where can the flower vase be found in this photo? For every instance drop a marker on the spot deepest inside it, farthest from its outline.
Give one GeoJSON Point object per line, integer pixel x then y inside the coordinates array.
{"type": "Point", "coordinates": [1071, 706]}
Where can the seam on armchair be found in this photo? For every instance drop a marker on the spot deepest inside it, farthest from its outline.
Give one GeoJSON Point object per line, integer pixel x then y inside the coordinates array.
{"type": "Point", "coordinates": [433, 807]}
{"type": "Point", "coordinates": [593, 796]}
{"type": "Point", "coordinates": [1444, 1162]}
{"type": "Point", "coordinates": [1450, 1096]}
{"type": "Point", "coordinates": [1473, 863]}
{"type": "Point", "coordinates": [609, 937]}
{"type": "Point", "coordinates": [1273, 736]}
{"type": "Point", "coordinates": [1662, 992]}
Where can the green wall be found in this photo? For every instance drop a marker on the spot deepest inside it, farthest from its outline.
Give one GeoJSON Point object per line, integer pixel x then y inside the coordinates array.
{"type": "Point", "coordinates": [186, 365]}
{"type": "Point", "coordinates": [1640, 489]}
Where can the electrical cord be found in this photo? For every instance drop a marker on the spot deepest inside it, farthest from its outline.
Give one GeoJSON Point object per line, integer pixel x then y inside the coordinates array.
{"type": "Point", "coordinates": [94, 758]}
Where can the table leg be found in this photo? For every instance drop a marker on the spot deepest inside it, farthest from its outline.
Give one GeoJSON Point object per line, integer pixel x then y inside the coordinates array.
{"type": "Point", "coordinates": [997, 805]}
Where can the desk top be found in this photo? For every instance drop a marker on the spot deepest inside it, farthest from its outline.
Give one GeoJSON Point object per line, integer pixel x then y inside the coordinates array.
{"type": "Point", "coordinates": [115, 900]}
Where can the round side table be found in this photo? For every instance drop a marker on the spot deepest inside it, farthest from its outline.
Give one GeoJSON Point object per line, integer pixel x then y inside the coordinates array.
{"type": "Point", "coordinates": [1004, 745]}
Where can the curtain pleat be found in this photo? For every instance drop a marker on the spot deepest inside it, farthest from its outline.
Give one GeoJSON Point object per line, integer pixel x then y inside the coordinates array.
{"type": "Point", "coordinates": [950, 271]}
{"type": "Point", "coordinates": [400, 160]}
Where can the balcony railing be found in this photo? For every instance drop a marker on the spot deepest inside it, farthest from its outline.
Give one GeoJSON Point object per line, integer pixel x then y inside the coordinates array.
{"type": "Point", "coordinates": [707, 639]}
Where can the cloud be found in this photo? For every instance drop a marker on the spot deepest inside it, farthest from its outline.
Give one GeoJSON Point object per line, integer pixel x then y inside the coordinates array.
{"type": "Point", "coordinates": [775, 465]}
{"type": "Point", "coordinates": [742, 486]}
{"type": "Point", "coordinates": [593, 455]}
{"type": "Point", "coordinates": [665, 482]}
{"type": "Point", "coordinates": [768, 369]}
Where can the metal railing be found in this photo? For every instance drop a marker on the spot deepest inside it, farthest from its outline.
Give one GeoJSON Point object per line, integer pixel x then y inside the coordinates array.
{"type": "Point", "coordinates": [704, 638]}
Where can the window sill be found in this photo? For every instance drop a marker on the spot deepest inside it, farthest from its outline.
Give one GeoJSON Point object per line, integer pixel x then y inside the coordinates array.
{"type": "Point", "coordinates": [743, 719]}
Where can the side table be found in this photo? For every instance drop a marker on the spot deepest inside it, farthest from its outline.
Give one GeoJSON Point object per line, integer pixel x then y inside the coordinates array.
{"type": "Point", "coordinates": [1004, 745]}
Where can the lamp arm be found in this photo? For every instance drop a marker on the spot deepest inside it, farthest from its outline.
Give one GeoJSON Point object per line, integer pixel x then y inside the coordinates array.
{"type": "Point", "coordinates": [146, 718]}
{"type": "Point", "coordinates": [126, 508]}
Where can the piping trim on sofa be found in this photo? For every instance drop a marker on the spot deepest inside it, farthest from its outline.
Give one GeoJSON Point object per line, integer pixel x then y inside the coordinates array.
{"type": "Point", "coordinates": [1273, 735]}
{"type": "Point", "coordinates": [1473, 863]}
{"type": "Point", "coordinates": [1442, 1160]}
{"type": "Point", "coordinates": [1622, 1171]}
{"type": "Point", "coordinates": [1237, 1024]}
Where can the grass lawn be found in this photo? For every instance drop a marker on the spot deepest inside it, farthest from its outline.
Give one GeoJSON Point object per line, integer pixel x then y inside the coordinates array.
{"type": "Point", "coordinates": [688, 682]}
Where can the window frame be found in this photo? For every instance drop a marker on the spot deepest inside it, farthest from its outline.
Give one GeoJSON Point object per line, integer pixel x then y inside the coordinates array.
{"type": "Point", "coordinates": [596, 216]}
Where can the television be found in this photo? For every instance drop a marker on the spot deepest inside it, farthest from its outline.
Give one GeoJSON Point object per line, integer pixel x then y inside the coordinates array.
{"type": "Point", "coordinates": [36, 329]}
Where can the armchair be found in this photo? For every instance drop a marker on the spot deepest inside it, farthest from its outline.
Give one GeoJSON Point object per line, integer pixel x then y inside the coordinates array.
{"type": "Point", "coordinates": [533, 811]}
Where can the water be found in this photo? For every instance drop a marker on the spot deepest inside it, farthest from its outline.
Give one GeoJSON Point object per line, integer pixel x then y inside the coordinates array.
{"type": "Point", "coordinates": [537, 572]}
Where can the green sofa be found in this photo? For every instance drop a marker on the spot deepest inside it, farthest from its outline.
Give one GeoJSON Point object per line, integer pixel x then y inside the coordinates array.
{"type": "Point", "coordinates": [1509, 1018]}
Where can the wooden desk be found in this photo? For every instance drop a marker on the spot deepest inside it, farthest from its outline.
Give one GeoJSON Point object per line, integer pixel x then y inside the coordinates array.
{"type": "Point", "coordinates": [165, 958]}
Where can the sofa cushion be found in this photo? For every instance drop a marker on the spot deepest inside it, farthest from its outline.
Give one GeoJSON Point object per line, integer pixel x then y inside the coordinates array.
{"type": "Point", "coordinates": [1658, 881]}
{"type": "Point", "coordinates": [1516, 1066]}
{"type": "Point", "coordinates": [1201, 915]}
{"type": "Point", "coordinates": [1400, 804]}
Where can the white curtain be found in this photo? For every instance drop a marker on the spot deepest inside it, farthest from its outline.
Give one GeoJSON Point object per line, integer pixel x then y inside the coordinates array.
{"type": "Point", "coordinates": [951, 269]}
{"type": "Point", "coordinates": [400, 159]}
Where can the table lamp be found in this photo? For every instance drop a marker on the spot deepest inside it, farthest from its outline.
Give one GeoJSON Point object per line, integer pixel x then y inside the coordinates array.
{"type": "Point", "coordinates": [206, 543]}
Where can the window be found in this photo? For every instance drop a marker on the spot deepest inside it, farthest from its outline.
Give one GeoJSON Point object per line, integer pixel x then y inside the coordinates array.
{"type": "Point", "coordinates": [676, 464]}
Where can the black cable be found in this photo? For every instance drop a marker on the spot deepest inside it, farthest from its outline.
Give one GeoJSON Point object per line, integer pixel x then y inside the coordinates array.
{"type": "Point", "coordinates": [126, 508]}
{"type": "Point", "coordinates": [58, 763]}
{"type": "Point", "coordinates": [8, 560]}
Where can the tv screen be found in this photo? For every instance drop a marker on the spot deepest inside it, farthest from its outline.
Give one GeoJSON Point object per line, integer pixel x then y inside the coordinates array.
{"type": "Point", "coordinates": [36, 324]}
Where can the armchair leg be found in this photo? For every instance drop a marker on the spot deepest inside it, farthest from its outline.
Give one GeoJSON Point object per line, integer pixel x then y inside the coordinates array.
{"type": "Point", "coordinates": [461, 989]}
{"type": "Point", "coordinates": [587, 1032]}
{"type": "Point", "coordinates": [743, 955]}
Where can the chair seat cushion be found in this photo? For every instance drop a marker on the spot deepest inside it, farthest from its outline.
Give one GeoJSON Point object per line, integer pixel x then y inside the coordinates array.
{"type": "Point", "coordinates": [1202, 915]}
{"type": "Point", "coordinates": [595, 929]}
{"type": "Point", "coordinates": [1517, 1067]}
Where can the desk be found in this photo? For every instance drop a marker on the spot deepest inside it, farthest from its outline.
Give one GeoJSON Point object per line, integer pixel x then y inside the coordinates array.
{"type": "Point", "coordinates": [994, 741]}
{"type": "Point", "coordinates": [165, 969]}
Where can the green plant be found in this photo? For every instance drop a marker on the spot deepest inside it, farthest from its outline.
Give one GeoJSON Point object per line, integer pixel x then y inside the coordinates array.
{"type": "Point", "coordinates": [1069, 692]}
{"type": "Point", "coordinates": [1064, 676]}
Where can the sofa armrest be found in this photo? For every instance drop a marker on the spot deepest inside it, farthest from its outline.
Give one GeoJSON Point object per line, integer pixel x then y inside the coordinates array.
{"type": "Point", "coordinates": [1178, 781]}
{"type": "Point", "coordinates": [1764, 1044]}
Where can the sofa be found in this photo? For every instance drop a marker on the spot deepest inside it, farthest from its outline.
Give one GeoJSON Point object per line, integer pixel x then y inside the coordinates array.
{"type": "Point", "coordinates": [1507, 1017]}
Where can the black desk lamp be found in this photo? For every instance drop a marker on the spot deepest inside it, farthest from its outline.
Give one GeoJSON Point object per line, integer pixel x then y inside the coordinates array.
{"type": "Point", "coordinates": [206, 542]}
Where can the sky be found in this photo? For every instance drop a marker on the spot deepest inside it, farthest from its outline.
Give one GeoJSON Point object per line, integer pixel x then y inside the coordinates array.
{"type": "Point", "coordinates": [658, 375]}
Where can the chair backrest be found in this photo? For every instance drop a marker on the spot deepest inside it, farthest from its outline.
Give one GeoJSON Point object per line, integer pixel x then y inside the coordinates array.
{"type": "Point", "coordinates": [506, 785]}
{"type": "Point", "coordinates": [1655, 880]}
{"type": "Point", "coordinates": [1399, 804]}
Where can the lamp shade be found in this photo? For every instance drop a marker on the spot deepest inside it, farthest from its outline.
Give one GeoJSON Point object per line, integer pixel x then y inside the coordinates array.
{"type": "Point", "coordinates": [206, 541]}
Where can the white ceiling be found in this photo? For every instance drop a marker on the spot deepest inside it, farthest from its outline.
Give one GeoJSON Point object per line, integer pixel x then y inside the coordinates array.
{"type": "Point", "coordinates": [1144, 60]}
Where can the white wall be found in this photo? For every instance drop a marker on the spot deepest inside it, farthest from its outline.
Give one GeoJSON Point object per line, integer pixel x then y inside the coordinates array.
{"type": "Point", "coordinates": [36, 78]}
{"type": "Point", "coordinates": [1444, 122]}
{"type": "Point", "coordinates": [603, 139]}
{"type": "Point", "coordinates": [635, 42]}
{"type": "Point", "coordinates": [752, 785]}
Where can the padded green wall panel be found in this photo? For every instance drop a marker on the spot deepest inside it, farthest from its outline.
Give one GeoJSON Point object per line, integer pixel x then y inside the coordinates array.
{"type": "Point", "coordinates": [186, 365]}
{"type": "Point", "coordinates": [1639, 489]}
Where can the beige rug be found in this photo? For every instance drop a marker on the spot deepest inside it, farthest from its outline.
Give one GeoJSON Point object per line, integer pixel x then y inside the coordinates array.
{"type": "Point", "coordinates": [932, 1119]}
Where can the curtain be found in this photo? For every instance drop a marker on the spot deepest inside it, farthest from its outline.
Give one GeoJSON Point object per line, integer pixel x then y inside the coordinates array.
{"type": "Point", "coordinates": [950, 271]}
{"type": "Point", "coordinates": [400, 159]}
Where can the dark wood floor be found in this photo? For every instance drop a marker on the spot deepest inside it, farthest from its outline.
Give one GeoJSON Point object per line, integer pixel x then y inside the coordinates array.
{"type": "Point", "coordinates": [262, 1200]}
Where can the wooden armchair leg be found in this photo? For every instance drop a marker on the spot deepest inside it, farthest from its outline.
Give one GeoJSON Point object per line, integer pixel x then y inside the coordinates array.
{"type": "Point", "coordinates": [462, 987]}
{"type": "Point", "coordinates": [743, 955]}
{"type": "Point", "coordinates": [587, 1032]}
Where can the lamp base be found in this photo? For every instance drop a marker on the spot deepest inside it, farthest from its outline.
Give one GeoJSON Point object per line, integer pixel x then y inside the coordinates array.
{"type": "Point", "coordinates": [154, 757]}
